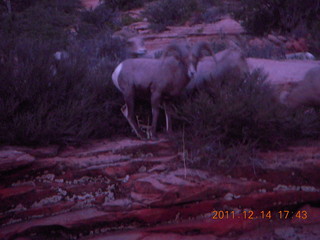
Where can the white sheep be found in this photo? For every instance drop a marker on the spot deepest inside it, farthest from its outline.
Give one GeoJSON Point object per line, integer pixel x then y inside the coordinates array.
{"type": "Point", "coordinates": [229, 61]}
{"type": "Point", "coordinates": [306, 93]}
{"type": "Point", "coordinates": [160, 78]}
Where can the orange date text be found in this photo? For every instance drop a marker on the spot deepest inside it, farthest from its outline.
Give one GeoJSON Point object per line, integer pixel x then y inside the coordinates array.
{"type": "Point", "coordinates": [252, 215]}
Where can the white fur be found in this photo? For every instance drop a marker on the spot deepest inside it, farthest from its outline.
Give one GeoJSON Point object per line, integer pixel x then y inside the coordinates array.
{"type": "Point", "coordinates": [301, 55]}
{"type": "Point", "coordinates": [115, 75]}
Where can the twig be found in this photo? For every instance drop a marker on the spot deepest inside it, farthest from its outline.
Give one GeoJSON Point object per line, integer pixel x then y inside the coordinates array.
{"type": "Point", "coordinates": [184, 153]}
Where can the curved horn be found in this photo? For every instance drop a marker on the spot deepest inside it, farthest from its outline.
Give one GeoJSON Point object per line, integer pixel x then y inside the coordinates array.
{"type": "Point", "coordinates": [200, 47]}
{"type": "Point", "coordinates": [174, 50]}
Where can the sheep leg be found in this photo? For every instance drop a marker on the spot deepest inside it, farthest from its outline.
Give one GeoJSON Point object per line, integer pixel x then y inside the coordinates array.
{"type": "Point", "coordinates": [155, 104]}
{"type": "Point", "coordinates": [128, 112]}
{"type": "Point", "coordinates": [167, 109]}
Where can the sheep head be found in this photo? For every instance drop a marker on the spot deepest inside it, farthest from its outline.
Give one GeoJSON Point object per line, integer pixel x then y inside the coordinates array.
{"type": "Point", "coordinates": [199, 51]}
{"type": "Point", "coordinates": [188, 58]}
{"type": "Point", "coordinates": [134, 43]}
{"type": "Point", "coordinates": [136, 46]}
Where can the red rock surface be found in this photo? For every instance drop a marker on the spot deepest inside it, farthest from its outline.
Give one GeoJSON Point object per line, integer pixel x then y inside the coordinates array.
{"type": "Point", "coordinates": [131, 189]}
{"type": "Point", "coordinates": [90, 4]}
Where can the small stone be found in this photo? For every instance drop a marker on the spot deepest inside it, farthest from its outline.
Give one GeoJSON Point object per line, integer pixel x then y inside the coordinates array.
{"type": "Point", "coordinates": [228, 197]}
{"type": "Point", "coordinates": [142, 169]}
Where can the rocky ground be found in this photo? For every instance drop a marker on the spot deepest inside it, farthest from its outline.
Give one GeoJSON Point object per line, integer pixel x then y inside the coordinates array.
{"type": "Point", "coordinates": [90, 4]}
{"type": "Point", "coordinates": [131, 189]}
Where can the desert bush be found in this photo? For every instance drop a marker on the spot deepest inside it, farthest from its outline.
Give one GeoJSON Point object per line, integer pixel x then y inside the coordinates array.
{"type": "Point", "coordinates": [269, 51]}
{"type": "Point", "coordinates": [314, 39]}
{"type": "Point", "coordinates": [102, 52]}
{"type": "Point", "coordinates": [17, 5]}
{"type": "Point", "coordinates": [125, 4]}
{"type": "Point", "coordinates": [126, 19]}
{"type": "Point", "coordinates": [209, 11]}
{"type": "Point", "coordinates": [232, 118]}
{"type": "Point", "coordinates": [38, 22]}
{"type": "Point", "coordinates": [262, 16]}
{"type": "Point", "coordinates": [164, 13]}
{"type": "Point", "coordinates": [212, 14]}
{"type": "Point", "coordinates": [66, 5]}
{"type": "Point", "coordinates": [73, 104]}
{"type": "Point", "coordinates": [101, 19]}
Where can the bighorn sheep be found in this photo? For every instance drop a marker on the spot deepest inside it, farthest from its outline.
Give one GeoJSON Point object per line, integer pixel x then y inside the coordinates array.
{"type": "Point", "coordinates": [161, 78]}
{"type": "Point", "coordinates": [134, 44]}
{"type": "Point", "coordinates": [301, 55]}
{"type": "Point", "coordinates": [229, 61]}
{"type": "Point", "coordinates": [306, 93]}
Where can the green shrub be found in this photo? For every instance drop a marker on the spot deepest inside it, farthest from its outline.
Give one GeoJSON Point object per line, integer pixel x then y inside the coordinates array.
{"type": "Point", "coordinates": [73, 104]}
{"type": "Point", "coordinates": [212, 14]}
{"type": "Point", "coordinates": [58, 18]}
{"type": "Point", "coordinates": [262, 16]}
{"type": "Point", "coordinates": [101, 19]}
{"type": "Point", "coordinates": [38, 22]}
{"type": "Point", "coordinates": [209, 11]}
{"type": "Point", "coordinates": [126, 4]}
{"type": "Point", "coordinates": [66, 5]}
{"type": "Point", "coordinates": [269, 51]}
{"type": "Point", "coordinates": [314, 39]}
{"type": "Point", "coordinates": [227, 121]}
{"type": "Point", "coordinates": [169, 12]}
{"type": "Point", "coordinates": [126, 19]}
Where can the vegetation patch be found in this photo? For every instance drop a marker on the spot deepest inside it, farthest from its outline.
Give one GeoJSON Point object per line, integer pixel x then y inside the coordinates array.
{"type": "Point", "coordinates": [262, 16]}
{"type": "Point", "coordinates": [65, 102]}
{"type": "Point", "coordinates": [125, 4]}
{"type": "Point", "coordinates": [99, 20]}
{"type": "Point", "coordinates": [232, 118]}
{"type": "Point", "coordinates": [169, 12]}
{"type": "Point", "coordinates": [269, 51]}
